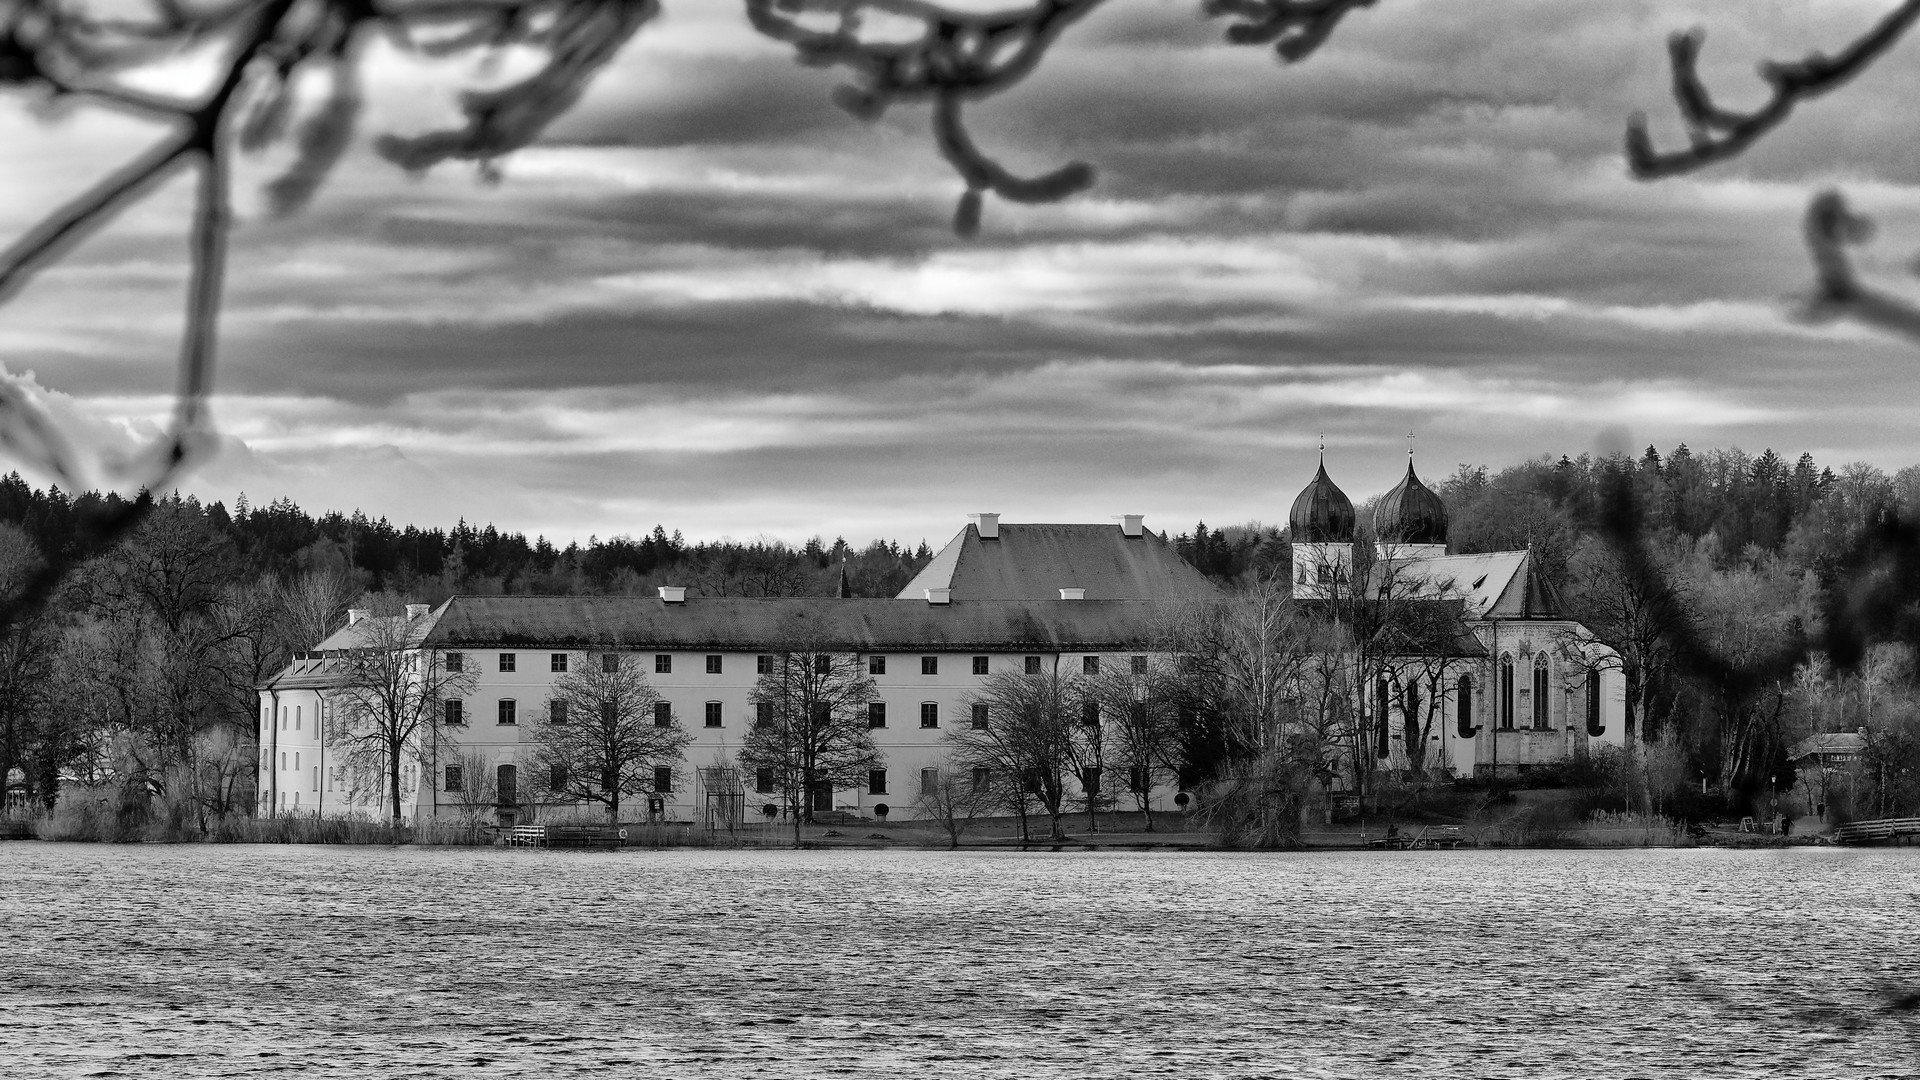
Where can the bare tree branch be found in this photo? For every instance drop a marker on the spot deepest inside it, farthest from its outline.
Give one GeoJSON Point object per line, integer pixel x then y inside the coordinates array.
{"type": "Point", "coordinates": [1716, 133]}
{"type": "Point", "coordinates": [958, 56]}
{"type": "Point", "coordinates": [1295, 27]}
{"type": "Point", "coordinates": [1830, 226]}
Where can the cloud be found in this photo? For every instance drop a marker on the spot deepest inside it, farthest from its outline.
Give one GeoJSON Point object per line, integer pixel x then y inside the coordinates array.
{"type": "Point", "coordinates": [712, 300]}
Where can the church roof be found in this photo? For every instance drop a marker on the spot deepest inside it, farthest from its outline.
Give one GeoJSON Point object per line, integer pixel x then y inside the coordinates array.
{"type": "Point", "coordinates": [1411, 513]}
{"type": "Point", "coordinates": [1322, 513]}
{"type": "Point", "coordinates": [772, 623]}
{"type": "Point", "coordinates": [1034, 562]}
{"type": "Point", "coordinates": [1493, 584]}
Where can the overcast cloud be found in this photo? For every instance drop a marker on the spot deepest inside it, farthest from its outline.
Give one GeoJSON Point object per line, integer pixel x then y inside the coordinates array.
{"type": "Point", "coordinates": [713, 301]}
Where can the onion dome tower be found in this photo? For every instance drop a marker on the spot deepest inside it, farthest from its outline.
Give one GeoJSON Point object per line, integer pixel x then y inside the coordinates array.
{"type": "Point", "coordinates": [1322, 529]}
{"type": "Point", "coordinates": [1411, 519]}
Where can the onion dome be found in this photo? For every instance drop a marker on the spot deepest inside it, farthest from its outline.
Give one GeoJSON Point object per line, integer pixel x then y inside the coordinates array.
{"type": "Point", "coordinates": [1322, 514]}
{"type": "Point", "coordinates": [1411, 513]}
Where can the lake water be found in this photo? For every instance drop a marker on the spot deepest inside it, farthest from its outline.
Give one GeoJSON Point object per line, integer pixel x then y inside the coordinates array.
{"type": "Point", "coordinates": [370, 962]}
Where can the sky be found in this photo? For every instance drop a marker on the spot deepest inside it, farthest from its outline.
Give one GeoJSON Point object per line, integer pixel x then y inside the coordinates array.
{"type": "Point", "coordinates": [709, 299]}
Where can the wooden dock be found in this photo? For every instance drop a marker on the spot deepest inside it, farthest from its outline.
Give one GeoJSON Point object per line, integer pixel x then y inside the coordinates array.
{"type": "Point", "coordinates": [566, 836]}
{"type": "Point", "coordinates": [1879, 831]}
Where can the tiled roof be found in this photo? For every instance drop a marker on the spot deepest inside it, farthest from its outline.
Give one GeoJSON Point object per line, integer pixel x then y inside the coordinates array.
{"type": "Point", "coordinates": [757, 623]}
{"type": "Point", "coordinates": [1494, 584]}
{"type": "Point", "coordinates": [1034, 562]}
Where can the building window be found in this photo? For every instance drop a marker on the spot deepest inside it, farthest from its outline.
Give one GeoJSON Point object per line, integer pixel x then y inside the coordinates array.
{"type": "Point", "coordinates": [1463, 707]}
{"type": "Point", "coordinates": [823, 665]}
{"type": "Point", "coordinates": [713, 714]}
{"type": "Point", "coordinates": [456, 711]}
{"type": "Point", "coordinates": [982, 779]}
{"type": "Point", "coordinates": [454, 778]}
{"type": "Point", "coordinates": [557, 712]}
{"type": "Point", "coordinates": [762, 713]}
{"type": "Point", "coordinates": [1137, 664]}
{"type": "Point", "coordinates": [876, 665]}
{"type": "Point", "coordinates": [1594, 726]}
{"type": "Point", "coordinates": [296, 761]}
{"type": "Point", "coordinates": [979, 716]}
{"type": "Point", "coordinates": [663, 663]}
{"type": "Point", "coordinates": [1505, 702]}
{"type": "Point", "coordinates": [929, 781]}
{"type": "Point", "coordinates": [610, 663]}
{"type": "Point", "coordinates": [1090, 665]}
{"type": "Point", "coordinates": [662, 714]}
{"type": "Point", "coordinates": [296, 717]}
{"type": "Point", "coordinates": [506, 782]}
{"type": "Point", "coordinates": [763, 780]}
{"type": "Point", "coordinates": [507, 661]}
{"type": "Point", "coordinates": [456, 662]}
{"type": "Point", "coordinates": [1090, 780]}
{"type": "Point", "coordinates": [557, 778]}
{"type": "Point", "coordinates": [1090, 713]}
{"type": "Point", "coordinates": [929, 665]}
{"type": "Point", "coordinates": [1140, 779]}
{"type": "Point", "coordinates": [1033, 665]}
{"type": "Point", "coordinates": [876, 714]}
{"type": "Point", "coordinates": [663, 778]}
{"type": "Point", "coordinates": [979, 665]}
{"type": "Point", "coordinates": [929, 714]}
{"type": "Point", "coordinates": [877, 781]}
{"type": "Point", "coordinates": [763, 664]}
{"type": "Point", "coordinates": [1382, 708]}
{"type": "Point", "coordinates": [557, 662]}
{"type": "Point", "coordinates": [1540, 720]}
{"type": "Point", "coordinates": [713, 663]}
{"type": "Point", "coordinates": [506, 711]}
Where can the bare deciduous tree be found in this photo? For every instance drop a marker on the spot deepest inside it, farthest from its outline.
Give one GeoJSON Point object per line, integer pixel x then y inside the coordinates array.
{"type": "Point", "coordinates": [601, 736]}
{"type": "Point", "coordinates": [384, 717]}
{"type": "Point", "coordinates": [810, 728]}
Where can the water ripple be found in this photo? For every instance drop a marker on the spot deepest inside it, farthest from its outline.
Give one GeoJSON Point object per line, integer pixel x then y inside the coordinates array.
{"type": "Point", "coordinates": [359, 962]}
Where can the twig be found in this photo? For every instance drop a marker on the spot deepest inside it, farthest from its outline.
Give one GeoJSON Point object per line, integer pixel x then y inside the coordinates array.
{"type": "Point", "coordinates": [1296, 27]}
{"type": "Point", "coordinates": [1829, 227]}
{"type": "Point", "coordinates": [1716, 133]}
{"type": "Point", "coordinates": [958, 56]}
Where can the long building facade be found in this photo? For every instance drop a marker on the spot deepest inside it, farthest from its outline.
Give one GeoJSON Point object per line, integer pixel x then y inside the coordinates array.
{"type": "Point", "coordinates": [1524, 688]}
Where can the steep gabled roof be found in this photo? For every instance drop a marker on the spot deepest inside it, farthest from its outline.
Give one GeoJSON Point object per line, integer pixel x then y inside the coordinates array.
{"type": "Point", "coordinates": [736, 623]}
{"type": "Point", "coordinates": [1034, 562]}
{"type": "Point", "coordinates": [320, 667]}
{"type": "Point", "coordinates": [1493, 584]}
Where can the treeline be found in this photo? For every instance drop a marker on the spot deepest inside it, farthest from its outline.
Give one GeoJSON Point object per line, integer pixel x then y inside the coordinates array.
{"type": "Point", "coordinates": [430, 564]}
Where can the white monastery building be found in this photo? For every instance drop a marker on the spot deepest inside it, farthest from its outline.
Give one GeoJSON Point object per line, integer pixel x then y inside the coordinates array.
{"type": "Point", "coordinates": [1524, 687]}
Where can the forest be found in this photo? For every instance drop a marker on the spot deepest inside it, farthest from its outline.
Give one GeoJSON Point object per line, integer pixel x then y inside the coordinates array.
{"type": "Point", "coordinates": [1754, 600]}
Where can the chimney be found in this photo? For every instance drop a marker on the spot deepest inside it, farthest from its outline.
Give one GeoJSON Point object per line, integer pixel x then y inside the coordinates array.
{"type": "Point", "coordinates": [939, 596]}
{"type": "Point", "coordinates": [1131, 525]}
{"type": "Point", "coordinates": [415, 611]}
{"type": "Point", "coordinates": [1073, 594]}
{"type": "Point", "coordinates": [673, 594]}
{"type": "Point", "coordinates": [354, 615]}
{"type": "Point", "coordinates": [988, 524]}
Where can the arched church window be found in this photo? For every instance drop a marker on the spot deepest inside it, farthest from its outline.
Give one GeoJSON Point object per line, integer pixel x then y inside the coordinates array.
{"type": "Point", "coordinates": [1504, 705]}
{"type": "Point", "coordinates": [1594, 726]}
{"type": "Point", "coordinates": [1540, 720]}
{"type": "Point", "coordinates": [1412, 703]}
{"type": "Point", "coordinates": [1382, 703]}
{"type": "Point", "coordinates": [1463, 707]}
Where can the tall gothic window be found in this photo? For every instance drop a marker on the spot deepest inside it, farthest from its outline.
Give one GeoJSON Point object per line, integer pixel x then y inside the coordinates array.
{"type": "Point", "coordinates": [1463, 707]}
{"type": "Point", "coordinates": [1382, 702]}
{"type": "Point", "coordinates": [1505, 703]}
{"type": "Point", "coordinates": [1594, 726]}
{"type": "Point", "coordinates": [1540, 720]}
